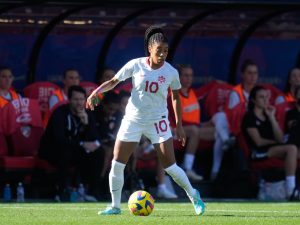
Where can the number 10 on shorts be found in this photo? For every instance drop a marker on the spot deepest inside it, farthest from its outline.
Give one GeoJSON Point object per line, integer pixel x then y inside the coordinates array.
{"type": "Point", "coordinates": [161, 126]}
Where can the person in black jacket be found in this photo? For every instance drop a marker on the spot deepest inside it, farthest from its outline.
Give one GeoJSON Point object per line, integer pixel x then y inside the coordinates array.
{"type": "Point", "coordinates": [71, 141]}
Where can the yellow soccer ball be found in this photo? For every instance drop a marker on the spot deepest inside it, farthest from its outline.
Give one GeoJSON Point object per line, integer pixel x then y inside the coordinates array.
{"type": "Point", "coordinates": [141, 203]}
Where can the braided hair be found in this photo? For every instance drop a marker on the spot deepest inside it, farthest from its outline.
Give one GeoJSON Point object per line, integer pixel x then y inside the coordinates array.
{"type": "Point", "coordinates": [153, 34]}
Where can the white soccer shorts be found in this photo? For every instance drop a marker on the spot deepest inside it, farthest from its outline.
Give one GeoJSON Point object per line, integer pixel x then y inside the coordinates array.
{"type": "Point", "coordinates": [157, 132]}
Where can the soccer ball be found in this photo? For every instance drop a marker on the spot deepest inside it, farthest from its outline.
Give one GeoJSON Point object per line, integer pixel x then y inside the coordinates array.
{"type": "Point", "coordinates": [141, 203]}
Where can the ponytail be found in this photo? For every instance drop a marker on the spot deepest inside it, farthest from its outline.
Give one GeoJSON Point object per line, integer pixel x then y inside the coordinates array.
{"type": "Point", "coordinates": [152, 35]}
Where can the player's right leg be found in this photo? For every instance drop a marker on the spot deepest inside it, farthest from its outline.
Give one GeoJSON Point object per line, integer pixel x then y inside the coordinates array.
{"type": "Point", "coordinates": [122, 152]}
{"type": "Point", "coordinates": [127, 141]}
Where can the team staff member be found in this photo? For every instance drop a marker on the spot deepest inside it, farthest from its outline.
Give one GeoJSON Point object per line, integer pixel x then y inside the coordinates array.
{"type": "Point", "coordinates": [6, 93]}
{"type": "Point", "coordinates": [71, 77]}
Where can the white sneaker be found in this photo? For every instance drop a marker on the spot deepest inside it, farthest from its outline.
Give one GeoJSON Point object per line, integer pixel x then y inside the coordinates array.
{"type": "Point", "coordinates": [165, 193]}
{"type": "Point", "coordinates": [57, 198]}
{"type": "Point", "coordinates": [191, 174]}
{"type": "Point", "coordinates": [90, 198]}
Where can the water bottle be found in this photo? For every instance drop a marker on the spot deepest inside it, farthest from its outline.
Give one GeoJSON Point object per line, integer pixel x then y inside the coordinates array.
{"type": "Point", "coordinates": [73, 195]}
{"type": "Point", "coordinates": [7, 193]}
{"type": "Point", "coordinates": [20, 193]}
{"type": "Point", "coordinates": [262, 190]}
{"type": "Point", "coordinates": [141, 184]}
{"type": "Point", "coordinates": [81, 193]}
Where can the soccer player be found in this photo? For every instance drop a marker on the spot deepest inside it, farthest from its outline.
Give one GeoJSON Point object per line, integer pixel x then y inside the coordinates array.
{"type": "Point", "coordinates": [147, 113]}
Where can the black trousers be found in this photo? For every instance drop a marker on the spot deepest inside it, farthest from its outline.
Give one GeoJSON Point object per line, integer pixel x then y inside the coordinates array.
{"type": "Point", "coordinates": [85, 166]}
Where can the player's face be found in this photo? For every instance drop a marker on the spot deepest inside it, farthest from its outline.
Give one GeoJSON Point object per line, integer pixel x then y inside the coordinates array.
{"type": "Point", "coordinates": [158, 52]}
{"type": "Point", "coordinates": [6, 79]}
{"type": "Point", "coordinates": [250, 75]}
{"type": "Point", "coordinates": [262, 99]}
{"type": "Point", "coordinates": [295, 77]}
{"type": "Point", "coordinates": [77, 101]}
{"type": "Point", "coordinates": [72, 78]}
{"type": "Point", "coordinates": [186, 77]}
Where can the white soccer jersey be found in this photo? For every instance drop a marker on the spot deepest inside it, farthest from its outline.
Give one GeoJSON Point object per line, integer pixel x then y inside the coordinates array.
{"type": "Point", "coordinates": [150, 89]}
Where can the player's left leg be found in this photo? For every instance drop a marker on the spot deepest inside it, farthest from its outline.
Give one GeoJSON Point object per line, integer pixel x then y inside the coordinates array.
{"type": "Point", "coordinates": [166, 156]}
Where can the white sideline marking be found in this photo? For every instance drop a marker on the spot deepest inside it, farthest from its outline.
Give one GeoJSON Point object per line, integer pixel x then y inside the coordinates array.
{"type": "Point", "coordinates": [26, 207]}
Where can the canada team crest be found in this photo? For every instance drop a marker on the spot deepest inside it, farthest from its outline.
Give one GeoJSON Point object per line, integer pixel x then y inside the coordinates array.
{"type": "Point", "coordinates": [161, 79]}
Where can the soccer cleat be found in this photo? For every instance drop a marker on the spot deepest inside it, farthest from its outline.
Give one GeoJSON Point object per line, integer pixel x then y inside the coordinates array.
{"type": "Point", "coordinates": [199, 205]}
{"type": "Point", "coordinates": [110, 211]}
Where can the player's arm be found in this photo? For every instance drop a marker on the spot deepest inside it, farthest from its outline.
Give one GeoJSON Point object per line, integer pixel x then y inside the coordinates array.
{"type": "Point", "coordinates": [93, 99]}
{"type": "Point", "coordinates": [177, 112]}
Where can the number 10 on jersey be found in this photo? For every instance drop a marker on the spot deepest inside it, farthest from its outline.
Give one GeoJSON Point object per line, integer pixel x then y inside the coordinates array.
{"type": "Point", "coordinates": [151, 87]}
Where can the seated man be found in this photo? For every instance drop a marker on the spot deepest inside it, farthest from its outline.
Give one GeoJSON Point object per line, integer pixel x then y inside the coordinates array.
{"type": "Point", "coordinates": [6, 92]}
{"type": "Point", "coordinates": [108, 121]}
{"type": "Point", "coordinates": [71, 140]}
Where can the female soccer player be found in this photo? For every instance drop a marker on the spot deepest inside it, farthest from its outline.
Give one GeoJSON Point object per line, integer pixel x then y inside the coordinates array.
{"type": "Point", "coordinates": [146, 113]}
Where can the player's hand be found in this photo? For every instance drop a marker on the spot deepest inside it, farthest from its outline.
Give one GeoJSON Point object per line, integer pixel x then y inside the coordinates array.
{"type": "Point", "coordinates": [180, 135]}
{"type": "Point", "coordinates": [82, 114]}
{"type": "Point", "coordinates": [270, 111]}
{"type": "Point", "coordinates": [90, 146]}
{"type": "Point", "coordinates": [92, 101]}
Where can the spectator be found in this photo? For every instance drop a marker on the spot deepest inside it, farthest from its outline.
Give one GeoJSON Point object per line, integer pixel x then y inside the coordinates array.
{"type": "Point", "coordinates": [71, 140]}
{"type": "Point", "coordinates": [106, 74]}
{"type": "Point", "coordinates": [7, 94]}
{"type": "Point", "coordinates": [239, 95]}
{"type": "Point", "coordinates": [265, 137]}
{"type": "Point", "coordinates": [107, 122]}
{"type": "Point", "coordinates": [71, 77]}
{"type": "Point", "coordinates": [293, 120]}
{"type": "Point", "coordinates": [124, 97]}
{"type": "Point", "coordinates": [292, 82]}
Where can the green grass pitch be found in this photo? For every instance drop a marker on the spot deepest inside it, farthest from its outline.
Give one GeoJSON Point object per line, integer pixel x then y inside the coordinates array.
{"type": "Point", "coordinates": [220, 213]}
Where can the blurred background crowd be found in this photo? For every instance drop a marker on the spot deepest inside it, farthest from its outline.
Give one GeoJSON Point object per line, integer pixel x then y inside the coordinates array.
{"type": "Point", "coordinates": [239, 69]}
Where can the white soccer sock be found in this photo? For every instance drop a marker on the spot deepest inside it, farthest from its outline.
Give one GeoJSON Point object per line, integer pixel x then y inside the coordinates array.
{"type": "Point", "coordinates": [116, 182]}
{"type": "Point", "coordinates": [218, 155]}
{"type": "Point", "coordinates": [181, 179]}
{"type": "Point", "coordinates": [221, 125]}
{"type": "Point", "coordinates": [188, 161]}
{"type": "Point", "coordinates": [290, 182]}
